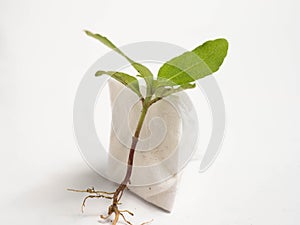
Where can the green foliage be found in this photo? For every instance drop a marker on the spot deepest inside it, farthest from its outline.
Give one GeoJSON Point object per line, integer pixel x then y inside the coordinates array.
{"type": "Point", "coordinates": [177, 74]}
{"type": "Point", "coordinates": [143, 70]}
{"type": "Point", "coordinates": [191, 66]}
{"type": "Point", "coordinates": [129, 81]}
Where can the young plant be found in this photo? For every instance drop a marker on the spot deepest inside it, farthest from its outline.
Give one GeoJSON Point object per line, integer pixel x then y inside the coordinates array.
{"type": "Point", "coordinates": [177, 74]}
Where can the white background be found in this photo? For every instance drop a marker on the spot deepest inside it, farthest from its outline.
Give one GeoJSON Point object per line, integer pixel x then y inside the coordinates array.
{"type": "Point", "coordinates": [44, 54]}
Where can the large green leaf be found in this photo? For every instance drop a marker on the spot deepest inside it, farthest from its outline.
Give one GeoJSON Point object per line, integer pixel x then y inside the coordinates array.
{"type": "Point", "coordinates": [129, 81]}
{"type": "Point", "coordinates": [193, 65]}
{"type": "Point", "coordinates": [143, 70]}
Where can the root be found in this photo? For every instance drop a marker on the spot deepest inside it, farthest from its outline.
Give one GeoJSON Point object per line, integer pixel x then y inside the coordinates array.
{"type": "Point", "coordinates": [126, 221]}
{"type": "Point", "coordinates": [92, 196]}
{"type": "Point", "coordinates": [97, 194]}
{"type": "Point", "coordinates": [147, 222]}
{"type": "Point", "coordinates": [91, 190]}
{"type": "Point", "coordinates": [113, 208]}
{"type": "Point", "coordinates": [127, 212]}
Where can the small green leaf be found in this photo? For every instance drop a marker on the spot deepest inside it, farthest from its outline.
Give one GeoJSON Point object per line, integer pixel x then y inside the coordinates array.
{"type": "Point", "coordinates": [143, 70]}
{"type": "Point", "coordinates": [129, 81]}
{"type": "Point", "coordinates": [193, 65]}
{"type": "Point", "coordinates": [166, 91]}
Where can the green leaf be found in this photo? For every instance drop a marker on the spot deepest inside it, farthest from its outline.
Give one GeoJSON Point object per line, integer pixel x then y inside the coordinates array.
{"type": "Point", "coordinates": [143, 70]}
{"type": "Point", "coordinates": [129, 81]}
{"type": "Point", "coordinates": [166, 91]}
{"type": "Point", "coordinates": [193, 65]}
{"type": "Point", "coordinates": [213, 53]}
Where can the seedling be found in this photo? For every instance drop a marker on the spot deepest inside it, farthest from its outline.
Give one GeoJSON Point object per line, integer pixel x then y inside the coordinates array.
{"type": "Point", "coordinates": [176, 75]}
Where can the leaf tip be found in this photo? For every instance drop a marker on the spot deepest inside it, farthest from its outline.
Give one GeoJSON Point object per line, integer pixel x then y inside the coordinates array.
{"type": "Point", "coordinates": [87, 32]}
{"type": "Point", "coordinates": [99, 73]}
{"type": "Point", "coordinates": [223, 42]}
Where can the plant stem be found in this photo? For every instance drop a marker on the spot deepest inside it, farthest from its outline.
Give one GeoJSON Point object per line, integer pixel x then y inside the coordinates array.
{"type": "Point", "coordinates": [118, 193]}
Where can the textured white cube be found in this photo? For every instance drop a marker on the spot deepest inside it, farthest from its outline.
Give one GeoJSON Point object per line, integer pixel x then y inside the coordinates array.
{"type": "Point", "coordinates": [162, 194]}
